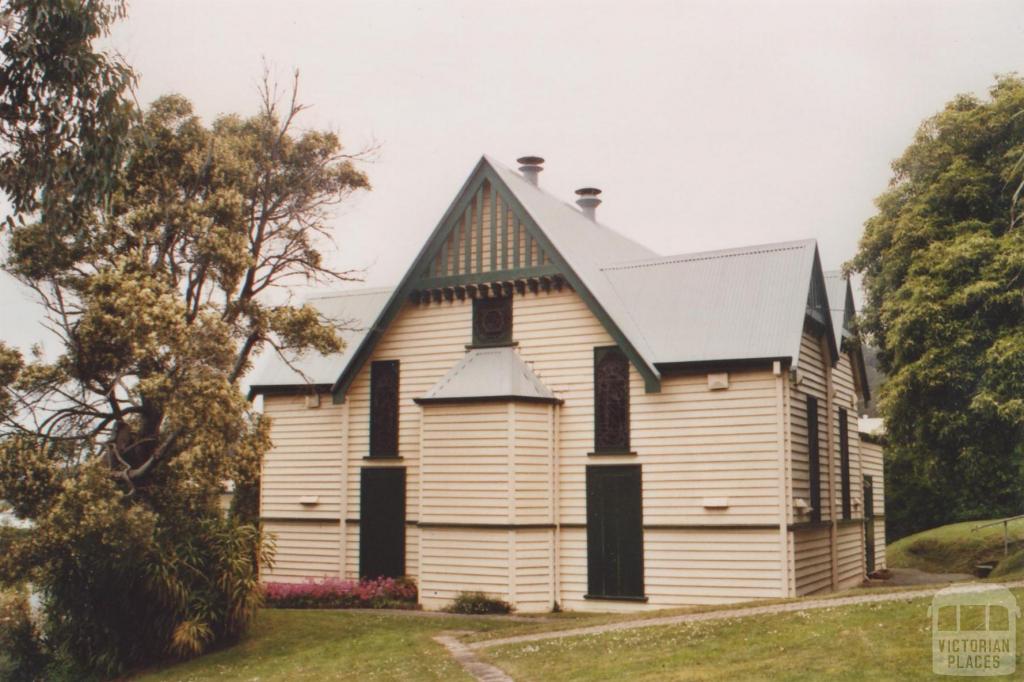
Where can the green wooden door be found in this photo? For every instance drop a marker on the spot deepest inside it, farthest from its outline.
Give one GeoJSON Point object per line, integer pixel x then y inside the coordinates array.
{"type": "Point", "coordinates": [382, 522]}
{"type": "Point", "coordinates": [869, 523]}
{"type": "Point", "coordinates": [615, 534]}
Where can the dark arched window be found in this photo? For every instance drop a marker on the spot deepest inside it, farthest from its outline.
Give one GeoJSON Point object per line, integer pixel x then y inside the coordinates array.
{"type": "Point", "coordinates": [611, 400]}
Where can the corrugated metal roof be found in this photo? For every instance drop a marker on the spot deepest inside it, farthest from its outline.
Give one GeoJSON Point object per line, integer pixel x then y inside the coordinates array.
{"type": "Point", "coordinates": [353, 312]}
{"type": "Point", "coordinates": [586, 246]}
{"type": "Point", "coordinates": [733, 304]}
{"type": "Point", "coordinates": [489, 373]}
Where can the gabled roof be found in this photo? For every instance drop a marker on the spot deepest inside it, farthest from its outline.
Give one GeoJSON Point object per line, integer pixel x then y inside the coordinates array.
{"type": "Point", "coordinates": [489, 374]}
{"type": "Point", "coordinates": [718, 306]}
{"type": "Point", "coordinates": [841, 305]}
{"type": "Point", "coordinates": [840, 301]}
{"type": "Point", "coordinates": [736, 304]}
{"type": "Point", "coordinates": [556, 226]}
{"type": "Point", "coordinates": [353, 312]}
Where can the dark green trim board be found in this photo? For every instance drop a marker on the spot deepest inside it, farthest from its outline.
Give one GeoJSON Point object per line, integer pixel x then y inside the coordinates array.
{"type": "Point", "coordinates": [422, 265]}
{"type": "Point", "coordinates": [466, 222]}
{"type": "Point", "coordinates": [519, 237]}
{"type": "Point", "coordinates": [809, 525]}
{"type": "Point", "coordinates": [702, 366]}
{"type": "Point", "coordinates": [480, 229]}
{"type": "Point", "coordinates": [504, 235]}
{"type": "Point", "coordinates": [497, 276]}
{"type": "Point", "coordinates": [601, 597]}
{"type": "Point", "coordinates": [293, 389]}
{"type": "Point", "coordinates": [494, 228]}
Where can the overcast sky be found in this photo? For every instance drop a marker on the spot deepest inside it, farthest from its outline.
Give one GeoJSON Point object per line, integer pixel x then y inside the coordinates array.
{"type": "Point", "coordinates": [707, 124]}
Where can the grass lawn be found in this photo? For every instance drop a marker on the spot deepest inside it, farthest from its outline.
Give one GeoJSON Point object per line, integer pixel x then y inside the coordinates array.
{"type": "Point", "coordinates": [331, 645]}
{"type": "Point", "coordinates": [953, 548]}
{"type": "Point", "coordinates": [888, 641]}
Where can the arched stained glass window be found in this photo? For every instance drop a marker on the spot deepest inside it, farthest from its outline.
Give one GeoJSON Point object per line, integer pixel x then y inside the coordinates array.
{"type": "Point", "coordinates": [611, 400]}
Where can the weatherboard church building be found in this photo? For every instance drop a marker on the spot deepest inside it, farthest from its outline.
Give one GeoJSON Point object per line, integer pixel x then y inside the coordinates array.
{"type": "Point", "coordinates": [549, 412]}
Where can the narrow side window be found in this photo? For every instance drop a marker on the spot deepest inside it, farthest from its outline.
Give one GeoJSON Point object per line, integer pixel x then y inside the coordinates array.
{"type": "Point", "coordinates": [384, 408]}
{"type": "Point", "coordinates": [611, 400]}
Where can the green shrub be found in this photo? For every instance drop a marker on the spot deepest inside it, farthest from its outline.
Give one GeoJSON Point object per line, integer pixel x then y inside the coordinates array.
{"type": "Point", "coordinates": [477, 603]}
{"type": "Point", "coordinates": [21, 654]}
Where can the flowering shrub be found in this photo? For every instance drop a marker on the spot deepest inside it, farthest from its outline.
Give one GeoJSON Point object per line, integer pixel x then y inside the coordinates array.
{"type": "Point", "coordinates": [333, 593]}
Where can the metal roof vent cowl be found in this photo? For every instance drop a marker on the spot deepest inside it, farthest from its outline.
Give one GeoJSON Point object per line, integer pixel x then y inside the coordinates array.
{"type": "Point", "coordinates": [588, 201]}
{"type": "Point", "coordinates": [530, 167]}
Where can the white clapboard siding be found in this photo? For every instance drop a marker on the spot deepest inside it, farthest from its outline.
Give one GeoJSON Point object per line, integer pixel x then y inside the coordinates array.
{"type": "Point", "coordinates": [531, 470]}
{"type": "Point", "coordinates": [812, 556]}
{"type": "Point", "coordinates": [466, 464]}
{"type": "Point", "coordinates": [493, 463]}
{"type": "Point", "coordinates": [812, 373]}
{"type": "Point", "coordinates": [813, 561]}
{"type": "Point", "coordinates": [305, 459]}
{"type": "Point", "coordinates": [842, 377]}
{"type": "Point", "coordinates": [512, 565]}
{"type": "Point", "coordinates": [304, 549]}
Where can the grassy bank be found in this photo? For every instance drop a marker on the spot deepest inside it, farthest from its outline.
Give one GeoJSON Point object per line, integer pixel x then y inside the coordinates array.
{"type": "Point", "coordinates": [296, 646]}
{"type": "Point", "coordinates": [955, 548]}
{"type": "Point", "coordinates": [887, 641]}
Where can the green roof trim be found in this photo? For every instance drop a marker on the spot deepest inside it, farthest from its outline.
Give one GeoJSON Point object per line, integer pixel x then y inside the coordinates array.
{"type": "Point", "coordinates": [419, 274]}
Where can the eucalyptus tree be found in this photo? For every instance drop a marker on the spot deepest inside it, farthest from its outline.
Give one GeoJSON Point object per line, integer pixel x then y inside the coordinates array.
{"type": "Point", "coordinates": [162, 250]}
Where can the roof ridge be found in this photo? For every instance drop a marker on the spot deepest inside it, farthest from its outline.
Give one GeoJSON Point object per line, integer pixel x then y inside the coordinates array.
{"type": "Point", "coordinates": [710, 255]}
{"type": "Point", "coordinates": [615, 232]}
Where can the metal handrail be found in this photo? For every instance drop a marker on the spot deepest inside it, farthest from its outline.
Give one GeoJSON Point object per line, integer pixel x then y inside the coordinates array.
{"type": "Point", "coordinates": [1006, 530]}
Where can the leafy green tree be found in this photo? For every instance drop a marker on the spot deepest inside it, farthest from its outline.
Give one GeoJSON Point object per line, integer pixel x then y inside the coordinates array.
{"type": "Point", "coordinates": [943, 266]}
{"type": "Point", "coordinates": [161, 295]}
{"type": "Point", "coordinates": [64, 107]}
